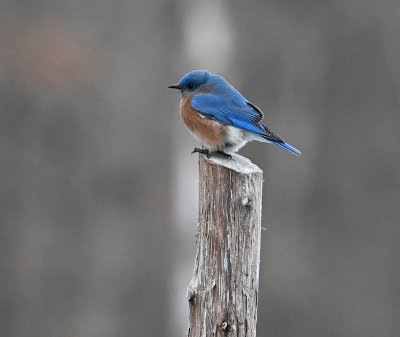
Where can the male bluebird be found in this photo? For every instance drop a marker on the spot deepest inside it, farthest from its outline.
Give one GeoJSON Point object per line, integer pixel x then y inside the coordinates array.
{"type": "Point", "coordinates": [220, 117]}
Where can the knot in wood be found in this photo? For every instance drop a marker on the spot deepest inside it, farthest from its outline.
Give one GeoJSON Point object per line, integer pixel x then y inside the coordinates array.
{"type": "Point", "coordinates": [191, 297]}
{"type": "Point", "coordinates": [225, 326]}
{"type": "Point", "coordinates": [246, 201]}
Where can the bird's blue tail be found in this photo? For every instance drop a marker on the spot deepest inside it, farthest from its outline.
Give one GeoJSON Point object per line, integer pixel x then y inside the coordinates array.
{"type": "Point", "coordinates": [286, 146]}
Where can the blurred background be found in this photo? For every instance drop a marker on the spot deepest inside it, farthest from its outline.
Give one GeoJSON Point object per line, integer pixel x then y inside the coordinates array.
{"type": "Point", "coordinates": [98, 190]}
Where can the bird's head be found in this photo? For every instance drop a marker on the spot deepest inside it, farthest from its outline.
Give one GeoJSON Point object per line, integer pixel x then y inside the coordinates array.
{"type": "Point", "coordinates": [194, 81]}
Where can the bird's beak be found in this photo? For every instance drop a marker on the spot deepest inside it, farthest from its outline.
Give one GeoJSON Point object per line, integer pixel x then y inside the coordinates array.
{"type": "Point", "coordinates": [175, 86]}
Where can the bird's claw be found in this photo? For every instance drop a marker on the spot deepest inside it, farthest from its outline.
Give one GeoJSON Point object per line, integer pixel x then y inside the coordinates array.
{"type": "Point", "coordinates": [208, 153]}
{"type": "Point", "coordinates": [202, 150]}
{"type": "Point", "coordinates": [226, 155]}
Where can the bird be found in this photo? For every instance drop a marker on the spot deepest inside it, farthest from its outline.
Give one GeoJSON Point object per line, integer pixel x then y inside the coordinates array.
{"type": "Point", "coordinates": [220, 117]}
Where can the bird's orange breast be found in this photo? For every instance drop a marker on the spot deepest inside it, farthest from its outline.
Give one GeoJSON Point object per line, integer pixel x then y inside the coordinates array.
{"type": "Point", "coordinates": [210, 132]}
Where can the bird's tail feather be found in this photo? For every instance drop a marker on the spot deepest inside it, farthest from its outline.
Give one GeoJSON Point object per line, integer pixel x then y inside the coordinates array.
{"type": "Point", "coordinates": [286, 146]}
{"type": "Point", "coordinates": [269, 137]}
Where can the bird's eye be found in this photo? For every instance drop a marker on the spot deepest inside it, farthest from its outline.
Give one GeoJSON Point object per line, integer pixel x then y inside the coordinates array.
{"type": "Point", "coordinates": [190, 86]}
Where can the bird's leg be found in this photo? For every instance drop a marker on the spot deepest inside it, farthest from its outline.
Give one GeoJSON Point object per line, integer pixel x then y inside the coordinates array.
{"type": "Point", "coordinates": [202, 150]}
{"type": "Point", "coordinates": [226, 155]}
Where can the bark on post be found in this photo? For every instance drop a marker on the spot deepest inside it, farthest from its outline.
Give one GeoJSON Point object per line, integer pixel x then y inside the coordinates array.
{"type": "Point", "coordinates": [223, 291]}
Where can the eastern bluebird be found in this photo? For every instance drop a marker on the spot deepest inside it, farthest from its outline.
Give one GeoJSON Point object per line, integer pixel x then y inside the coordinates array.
{"type": "Point", "coordinates": [220, 117]}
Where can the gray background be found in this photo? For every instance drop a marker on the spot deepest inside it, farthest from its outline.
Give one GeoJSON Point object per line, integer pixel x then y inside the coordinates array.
{"type": "Point", "coordinates": [98, 191]}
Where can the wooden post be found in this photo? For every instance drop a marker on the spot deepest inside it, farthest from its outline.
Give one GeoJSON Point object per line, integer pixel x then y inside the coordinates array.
{"type": "Point", "coordinates": [223, 291]}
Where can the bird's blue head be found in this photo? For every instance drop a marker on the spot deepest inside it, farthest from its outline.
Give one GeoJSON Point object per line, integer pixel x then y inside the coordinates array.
{"type": "Point", "coordinates": [194, 81]}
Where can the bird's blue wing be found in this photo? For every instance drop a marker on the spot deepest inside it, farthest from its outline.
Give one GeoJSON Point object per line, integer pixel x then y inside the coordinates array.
{"type": "Point", "coordinates": [236, 111]}
{"type": "Point", "coordinates": [233, 110]}
{"type": "Point", "coordinates": [230, 110]}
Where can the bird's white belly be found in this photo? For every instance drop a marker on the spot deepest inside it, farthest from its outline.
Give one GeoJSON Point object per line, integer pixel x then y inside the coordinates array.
{"type": "Point", "coordinates": [235, 139]}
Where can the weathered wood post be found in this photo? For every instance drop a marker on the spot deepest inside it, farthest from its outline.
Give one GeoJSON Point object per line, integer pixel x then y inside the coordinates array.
{"type": "Point", "coordinates": [223, 291]}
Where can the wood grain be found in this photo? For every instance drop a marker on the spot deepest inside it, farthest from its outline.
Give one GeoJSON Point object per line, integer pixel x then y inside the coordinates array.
{"type": "Point", "coordinates": [223, 291]}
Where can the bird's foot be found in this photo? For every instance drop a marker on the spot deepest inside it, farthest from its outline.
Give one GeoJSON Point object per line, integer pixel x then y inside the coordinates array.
{"type": "Point", "coordinates": [225, 155]}
{"type": "Point", "coordinates": [202, 150]}
{"type": "Point", "coordinates": [208, 153]}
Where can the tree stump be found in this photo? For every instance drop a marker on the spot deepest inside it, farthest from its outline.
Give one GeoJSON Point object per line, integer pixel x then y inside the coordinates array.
{"type": "Point", "coordinates": [223, 292]}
